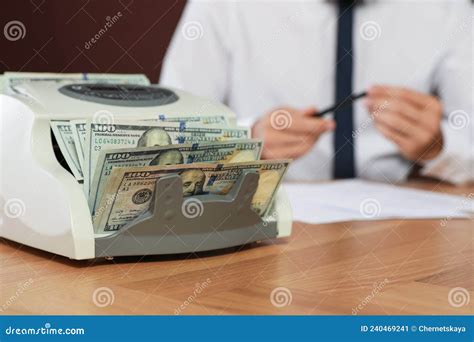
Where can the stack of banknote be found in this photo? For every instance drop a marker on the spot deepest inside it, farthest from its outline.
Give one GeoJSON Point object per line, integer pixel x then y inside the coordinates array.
{"type": "Point", "coordinates": [118, 162]}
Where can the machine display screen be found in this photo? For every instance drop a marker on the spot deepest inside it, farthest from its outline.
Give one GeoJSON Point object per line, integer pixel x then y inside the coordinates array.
{"type": "Point", "coordinates": [128, 95]}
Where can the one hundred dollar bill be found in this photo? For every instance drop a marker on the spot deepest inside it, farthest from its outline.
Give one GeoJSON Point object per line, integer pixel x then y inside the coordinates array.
{"type": "Point", "coordinates": [79, 128]}
{"type": "Point", "coordinates": [130, 191]}
{"type": "Point", "coordinates": [138, 134]}
{"type": "Point", "coordinates": [14, 79]}
{"type": "Point", "coordinates": [64, 137]}
{"type": "Point", "coordinates": [231, 151]}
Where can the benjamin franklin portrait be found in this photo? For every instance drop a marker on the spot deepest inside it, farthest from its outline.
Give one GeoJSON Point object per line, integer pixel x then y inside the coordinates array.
{"type": "Point", "coordinates": [170, 157]}
{"type": "Point", "coordinates": [154, 136]}
{"type": "Point", "coordinates": [193, 182]}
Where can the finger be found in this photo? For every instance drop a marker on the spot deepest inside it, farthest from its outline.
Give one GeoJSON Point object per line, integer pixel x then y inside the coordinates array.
{"type": "Point", "coordinates": [391, 134]}
{"type": "Point", "coordinates": [314, 134]}
{"type": "Point", "coordinates": [285, 138]}
{"type": "Point", "coordinates": [377, 105]}
{"type": "Point", "coordinates": [284, 119]}
{"type": "Point", "coordinates": [298, 121]}
{"type": "Point", "coordinates": [397, 122]}
{"type": "Point", "coordinates": [292, 152]}
{"type": "Point", "coordinates": [408, 146]}
{"type": "Point", "coordinates": [310, 125]}
{"type": "Point", "coordinates": [310, 111]}
{"type": "Point", "coordinates": [277, 137]}
{"type": "Point", "coordinates": [292, 140]}
{"type": "Point", "coordinates": [415, 97]}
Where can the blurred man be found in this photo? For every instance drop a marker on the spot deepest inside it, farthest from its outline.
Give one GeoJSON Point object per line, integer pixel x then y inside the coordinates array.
{"type": "Point", "coordinates": [277, 63]}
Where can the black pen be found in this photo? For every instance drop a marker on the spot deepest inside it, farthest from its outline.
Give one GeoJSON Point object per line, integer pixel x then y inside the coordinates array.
{"type": "Point", "coordinates": [340, 104]}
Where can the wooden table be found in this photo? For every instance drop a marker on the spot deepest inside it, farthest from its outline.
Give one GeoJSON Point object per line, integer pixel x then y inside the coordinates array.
{"type": "Point", "coordinates": [385, 267]}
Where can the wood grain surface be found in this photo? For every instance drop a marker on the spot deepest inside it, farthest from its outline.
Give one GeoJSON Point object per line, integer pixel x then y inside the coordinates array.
{"type": "Point", "coordinates": [378, 267]}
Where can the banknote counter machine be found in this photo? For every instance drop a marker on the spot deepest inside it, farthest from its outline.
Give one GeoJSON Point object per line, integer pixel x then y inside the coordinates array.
{"type": "Point", "coordinates": [43, 205]}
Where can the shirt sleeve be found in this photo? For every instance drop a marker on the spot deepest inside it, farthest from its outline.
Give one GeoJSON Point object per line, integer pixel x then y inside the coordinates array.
{"type": "Point", "coordinates": [198, 57]}
{"type": "Point", "coordinates": [454, 84]}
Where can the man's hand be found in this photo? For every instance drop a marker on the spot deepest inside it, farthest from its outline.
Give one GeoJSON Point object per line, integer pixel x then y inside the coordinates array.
{"type": "Point", "coordinates": [289, 132]}
{"type": "Point", "coordinates": [408, 118]}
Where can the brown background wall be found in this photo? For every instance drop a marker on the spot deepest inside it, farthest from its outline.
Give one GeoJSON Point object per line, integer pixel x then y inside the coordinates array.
{"type": "Point", "coordinates": [57, 31]}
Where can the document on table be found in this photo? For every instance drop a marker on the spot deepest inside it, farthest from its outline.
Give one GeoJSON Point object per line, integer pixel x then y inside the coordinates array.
{"type": "Point", "coordinates": [351, 200]}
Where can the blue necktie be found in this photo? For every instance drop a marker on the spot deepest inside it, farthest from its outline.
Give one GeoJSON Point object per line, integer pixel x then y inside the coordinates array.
{"type": "Point", "coordinates": [343, 140]}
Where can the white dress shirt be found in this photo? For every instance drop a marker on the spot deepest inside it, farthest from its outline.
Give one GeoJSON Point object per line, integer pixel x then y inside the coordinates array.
{"type": "Point", "coordinates": [256, 56]}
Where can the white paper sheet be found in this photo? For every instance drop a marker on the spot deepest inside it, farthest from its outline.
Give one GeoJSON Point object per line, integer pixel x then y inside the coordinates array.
{"type": "Point", "coordinates": [351, 200]}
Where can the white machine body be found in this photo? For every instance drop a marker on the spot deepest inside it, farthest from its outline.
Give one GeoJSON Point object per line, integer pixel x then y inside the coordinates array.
{"type": "Point", "coordinates": [43, 206]}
